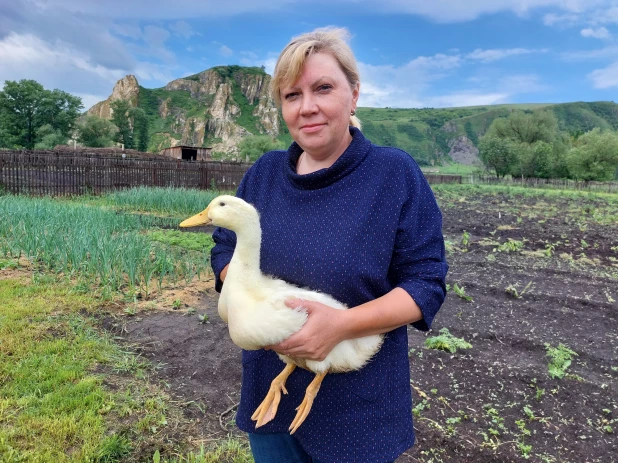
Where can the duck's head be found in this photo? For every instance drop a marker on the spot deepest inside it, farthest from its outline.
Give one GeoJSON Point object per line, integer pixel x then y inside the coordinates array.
{"type": "Point", "coordinates": [225, 211]}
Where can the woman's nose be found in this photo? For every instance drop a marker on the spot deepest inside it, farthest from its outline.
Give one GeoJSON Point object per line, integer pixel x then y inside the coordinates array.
{"type": "Point", "coordinates": [308, 105]}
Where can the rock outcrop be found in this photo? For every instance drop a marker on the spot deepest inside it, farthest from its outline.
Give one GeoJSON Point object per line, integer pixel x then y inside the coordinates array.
{"type": "Point", "coordinates": [464, 151]}
{"type": "Point", "coordinates": [213, 115]}
{"type": "Point", "coordinates": [126, 88]}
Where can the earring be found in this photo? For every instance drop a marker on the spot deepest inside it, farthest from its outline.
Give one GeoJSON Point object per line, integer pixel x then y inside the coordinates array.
{"type": "Point", "coordinates": [353, 112]}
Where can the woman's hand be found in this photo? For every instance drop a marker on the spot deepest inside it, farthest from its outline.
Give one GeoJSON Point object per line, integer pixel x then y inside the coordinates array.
{"type": "Point", "coordinates": [322, 331]}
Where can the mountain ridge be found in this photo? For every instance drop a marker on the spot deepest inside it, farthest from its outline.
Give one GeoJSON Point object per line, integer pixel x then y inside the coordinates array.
{"type": "Point", "coordinates": [219, 106]}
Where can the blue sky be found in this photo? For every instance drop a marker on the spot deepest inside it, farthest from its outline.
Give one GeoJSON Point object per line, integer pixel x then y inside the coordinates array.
{"type": "Point", "coordinates": [411, 53]}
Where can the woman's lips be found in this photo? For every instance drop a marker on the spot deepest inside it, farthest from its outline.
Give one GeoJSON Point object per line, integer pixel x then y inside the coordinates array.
{"type": "Point", "coordinates": [311, 128]}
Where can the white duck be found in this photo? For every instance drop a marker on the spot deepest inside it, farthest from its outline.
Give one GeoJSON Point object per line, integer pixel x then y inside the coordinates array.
{"type": "Point", "coordinates": [253, 306]}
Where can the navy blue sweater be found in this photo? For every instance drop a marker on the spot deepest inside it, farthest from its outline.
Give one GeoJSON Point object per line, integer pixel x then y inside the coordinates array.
{"type": "Point", "coordinates": [356, 230]}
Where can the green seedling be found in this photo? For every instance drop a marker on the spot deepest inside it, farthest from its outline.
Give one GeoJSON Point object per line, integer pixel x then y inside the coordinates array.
{"type": "Point", "coordinates": [511, 245]}
{"type": "Point", "coordinates": [465, 240]}
{"type": "Point", "coordinates": [461, 292]}
{"type": "Point", "coordinates": [203, 318]}
{"type": "Point", "coordinates": [447, 342]}
{"type": "Point", "coordinates": [559, 360]}
{"type": "Point", "coordinates": [176, 304]}
{"type": "Point", "coordinates": [512, 290]}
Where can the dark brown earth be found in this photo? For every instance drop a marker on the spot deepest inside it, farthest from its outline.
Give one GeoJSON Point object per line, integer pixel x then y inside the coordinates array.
{"type": "Point", "coordinates": [494, 402]}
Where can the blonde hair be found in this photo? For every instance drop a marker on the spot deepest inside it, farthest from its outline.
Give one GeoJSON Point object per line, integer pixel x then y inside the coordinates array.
{"type": "Point", "coordinates": [292, 59]}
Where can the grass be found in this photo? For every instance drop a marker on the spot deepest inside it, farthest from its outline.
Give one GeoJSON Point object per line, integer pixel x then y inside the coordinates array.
{"type": "Point", "coordinates": [228, 451]}
{"type": "Point", "coordinates": [55, 369]}
{"type": "Point", "coordinates": [50, 401]}
{"type": "Point", "coordinates": [186, 240]}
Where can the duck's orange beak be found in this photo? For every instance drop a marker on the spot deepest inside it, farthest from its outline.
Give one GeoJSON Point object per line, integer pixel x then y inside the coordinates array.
{"type": "Point", "coordinates": [197, 220]}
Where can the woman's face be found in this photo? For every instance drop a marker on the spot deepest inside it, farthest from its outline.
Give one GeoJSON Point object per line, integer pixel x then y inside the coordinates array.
{"type": "Point", "coordinates": [316, 108]}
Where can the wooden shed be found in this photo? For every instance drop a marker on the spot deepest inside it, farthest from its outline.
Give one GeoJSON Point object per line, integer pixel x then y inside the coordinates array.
{"type": "Point", "coordinates": [187, 153]}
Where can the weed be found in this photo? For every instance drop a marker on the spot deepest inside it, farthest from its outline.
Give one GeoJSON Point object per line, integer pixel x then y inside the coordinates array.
{"type": "Point", "coordinates": [447, 342]}
{"type": "Point", "coordinates": [512, 290]}
{"type": "Point", "coordinates": [203, 318]}
{"type": "Point", "coordinates": [511, 245]}
{"type": "Point", "coordinates": [176, 304]}
{"type": "Point", "coordinates": [465, 240]}
{"type": "Point", "coordinates": [461, 292]}
{"type": "Point", "coordinates": [419, 407]}
{"type": "Point", "coordinates": [560, 360]}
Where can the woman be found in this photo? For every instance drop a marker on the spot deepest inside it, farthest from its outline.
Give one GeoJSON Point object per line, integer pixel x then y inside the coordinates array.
{"type": "Point", "coordinates": [353, 220]}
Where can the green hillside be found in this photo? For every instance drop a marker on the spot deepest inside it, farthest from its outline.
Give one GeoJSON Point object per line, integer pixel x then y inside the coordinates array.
{"type": "Point", "coordinates": [426, 133]}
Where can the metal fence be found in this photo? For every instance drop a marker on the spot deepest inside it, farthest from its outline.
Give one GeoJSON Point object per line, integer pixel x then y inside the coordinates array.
{"type": "Point", "coordinates": [36, 173]}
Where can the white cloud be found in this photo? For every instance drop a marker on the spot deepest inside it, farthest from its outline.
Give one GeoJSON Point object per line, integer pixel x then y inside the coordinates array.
{"type": "Point", "coordinates": [487, 56]}
{"type": "Point", "coordinates": [53, 65]}
{"type": "Point", "coordinates": [605, 78]}
{"type": "Point", "coordinates": [225, 50]}
{"type": "Point", "coordinates": [599, 33]}
{"type": "Point", "coordinates": [155, 36]}
{"type": "Point", "coordinates": [567, 19]}
{"type": "Point", "coordinates": [438, 10]}
{"type": "Point", "coordinates": [591, 55]}
{"type": "Point", "coordinates": [467, 99]}
{"type": "Point", "coordinates": [522, 83]}
{"type": "Point", "coordinates": [183, 29]}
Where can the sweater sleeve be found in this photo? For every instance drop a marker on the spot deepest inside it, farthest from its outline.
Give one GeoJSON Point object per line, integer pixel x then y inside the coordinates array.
{"type": "Point", "coordinates": [419, 259]}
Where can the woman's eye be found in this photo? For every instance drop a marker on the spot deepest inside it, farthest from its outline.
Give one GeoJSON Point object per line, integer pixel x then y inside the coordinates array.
{"type": "Point", "coordinates": [291, 96]}
{"type": "Point", "coordinates": [325, 87]}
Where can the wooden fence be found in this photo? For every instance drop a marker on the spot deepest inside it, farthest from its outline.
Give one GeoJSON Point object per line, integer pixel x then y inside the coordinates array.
{"type": "Point", "coordinates": [38, 173]}
{"type": "Point", "coordinates": [564, 184]}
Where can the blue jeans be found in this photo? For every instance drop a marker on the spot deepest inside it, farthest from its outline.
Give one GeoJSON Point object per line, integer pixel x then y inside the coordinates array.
{"type": "Point", "coordinates": [278, 448]}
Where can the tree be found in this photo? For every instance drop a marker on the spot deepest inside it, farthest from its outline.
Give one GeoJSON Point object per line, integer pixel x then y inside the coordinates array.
{"type": "Point", "coordinates": [25, 106]}
{"type": "Point", "coordinates": [256, 145]}
{"type": "Point", "coordinates": [498, 154]}
{"type": "Point", "coordinates": [121, 113]}
{"type": "Point", "coordinates": [522, 127]}
{"type": "Point", "coordinates": [49, 137]}
{"type": "Point", "coordinates": [96, 132]}
{"type": "Point", "coordinates": [594, 156]}
{"type": "Point", "coordinates": [140, 127]}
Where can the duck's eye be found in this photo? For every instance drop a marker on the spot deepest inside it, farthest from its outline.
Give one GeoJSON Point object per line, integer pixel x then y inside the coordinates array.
{"type": "Point", "coordinates": [221, 203]}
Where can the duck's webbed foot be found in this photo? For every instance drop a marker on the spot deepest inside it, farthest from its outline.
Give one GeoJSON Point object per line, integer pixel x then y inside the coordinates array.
{"type": "Point", "coordinates": [305, 407]}
{"type": "Point", "coordinates": [267, 410]}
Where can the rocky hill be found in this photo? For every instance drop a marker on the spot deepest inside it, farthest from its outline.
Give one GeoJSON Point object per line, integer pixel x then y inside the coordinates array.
{"type": "Point", "coordinates": [220, 106]}
{"type": "Point", "coordinates": [214, 108]}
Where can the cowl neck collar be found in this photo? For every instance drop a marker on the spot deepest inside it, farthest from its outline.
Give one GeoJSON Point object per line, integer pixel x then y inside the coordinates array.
{"type": "Point", "coordinates": [354, 154]}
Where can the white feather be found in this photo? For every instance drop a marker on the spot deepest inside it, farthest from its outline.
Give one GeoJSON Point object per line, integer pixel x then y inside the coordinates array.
{"type": "Point", "coordinates": [254, 306]}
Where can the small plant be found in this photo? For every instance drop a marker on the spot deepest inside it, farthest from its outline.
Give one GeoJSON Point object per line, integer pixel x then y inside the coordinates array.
{"type": "Point", "coordinates": [461, 292]}
{"type": "Point", "coordinates": [525, 449]}
{"type": "Point", "coordinates": [465, 240]}
{"type": "Point", "coordinates": [550, 247]}
{"type": "Point", "coordinates": [176, 304]}
{"type": "Point", "coordinates": [203, 318]}
{"type": "Point", "coordinates": [447, 342]}
{"type": "Point", "coordinates": [419, 407]}
{"type": "Point", "coordinates": [512, 290]}
{"type": "Point", "coordinates": [560, 360]}
{"type": "Point", "coordinates": [511, 245]}
{"type": "Point", "coordinates": [130, 311]}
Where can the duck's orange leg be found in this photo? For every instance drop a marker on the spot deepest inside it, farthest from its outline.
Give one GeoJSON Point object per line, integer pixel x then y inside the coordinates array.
{"type": "Point", "coordinates": [305, 407]}
{"type": "Point", "coordinates": [268, 408]}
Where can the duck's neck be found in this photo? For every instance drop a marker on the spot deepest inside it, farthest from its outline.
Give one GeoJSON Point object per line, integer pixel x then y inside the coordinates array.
{"type": "Point", "coordinates": [246, 258]}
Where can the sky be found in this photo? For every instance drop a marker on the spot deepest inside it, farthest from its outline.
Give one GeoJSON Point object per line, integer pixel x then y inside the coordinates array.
{"type": "Point", "coordinates": [411, 53]}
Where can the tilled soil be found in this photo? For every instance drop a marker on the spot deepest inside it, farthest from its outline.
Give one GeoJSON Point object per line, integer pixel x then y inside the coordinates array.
{"type": "Point", "coordinates": [494, 402]}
